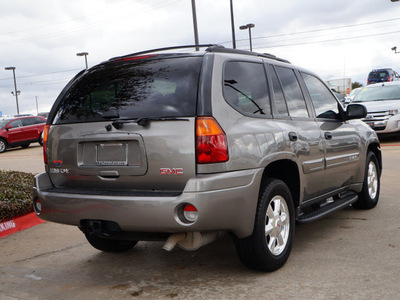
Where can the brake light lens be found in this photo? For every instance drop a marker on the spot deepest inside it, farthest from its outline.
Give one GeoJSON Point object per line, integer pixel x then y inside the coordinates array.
{"type": "Point", "coordinates": [212, 146]}
{"type": "Point", "coordinates": [45, 133]}
{"type": "Point", "coordinates": [389, 78]}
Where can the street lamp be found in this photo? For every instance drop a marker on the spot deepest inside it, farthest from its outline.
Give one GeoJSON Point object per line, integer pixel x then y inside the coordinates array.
{"type": "Point", "coordinates": [248, 26]}
{"type": "Point", "coordinates": [15, 86]}
{"type": "Point", "coordinates": [85, 54]}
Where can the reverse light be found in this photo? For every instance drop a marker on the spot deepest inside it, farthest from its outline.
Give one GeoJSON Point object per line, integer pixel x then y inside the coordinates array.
{"type": "Point", "coordinates": [211, 143]}
{"type": "Point", "coordinates": [45, 134]}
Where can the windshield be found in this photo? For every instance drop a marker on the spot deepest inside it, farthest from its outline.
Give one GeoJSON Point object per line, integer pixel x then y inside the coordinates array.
{"type": "Point", "coordinates": [3, 123]}
{"type": "Point", "coordinates": [134, 89]}
{"type": "Point", "coordinates": [378, 93]}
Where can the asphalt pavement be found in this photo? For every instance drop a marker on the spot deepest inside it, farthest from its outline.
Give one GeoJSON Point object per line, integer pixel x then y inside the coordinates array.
{"type": "Point", "coordinates": [352, 254]}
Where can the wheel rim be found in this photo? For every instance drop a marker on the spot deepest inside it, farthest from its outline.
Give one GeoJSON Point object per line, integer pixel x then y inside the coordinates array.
{"type": "Point", "coordinates": [277, 225]}
{"type": "Point", "coordinates": [2, 146]}
{"type": "Point", "coordinates": [372, 180]}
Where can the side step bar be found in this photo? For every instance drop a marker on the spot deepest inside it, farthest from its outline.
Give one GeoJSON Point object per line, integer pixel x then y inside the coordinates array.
{"type": "Point", "coordinates": [327, 209]}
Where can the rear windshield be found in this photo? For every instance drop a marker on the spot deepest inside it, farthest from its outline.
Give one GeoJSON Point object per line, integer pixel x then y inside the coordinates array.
{"type": "Point", "coordinates": [378, 74]}
{"type": "Point", "coordinates": [133, 89]}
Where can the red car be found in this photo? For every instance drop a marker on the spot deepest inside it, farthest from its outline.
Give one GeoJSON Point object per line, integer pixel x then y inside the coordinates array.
{"type": "Point", "coordinates": [21, 131]}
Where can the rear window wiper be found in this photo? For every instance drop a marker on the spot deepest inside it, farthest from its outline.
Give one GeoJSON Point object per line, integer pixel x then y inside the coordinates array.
{"type": "Point", "coordinates": [119, 123]}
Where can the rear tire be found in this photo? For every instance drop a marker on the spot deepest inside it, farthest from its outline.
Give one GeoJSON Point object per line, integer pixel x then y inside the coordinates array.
{"type": "Point", "coordinates": [369, 196]}
{"type": "Point", "coordinates": [40, 141]}
{"type": "Point", "coordinates": [269, 246]}
{"type": "Point", "coordinates": [109, 245]}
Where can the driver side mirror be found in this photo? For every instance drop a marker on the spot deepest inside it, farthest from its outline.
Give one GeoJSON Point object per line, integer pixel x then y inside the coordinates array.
{"type": "Point", "coordinates": [355, 111]}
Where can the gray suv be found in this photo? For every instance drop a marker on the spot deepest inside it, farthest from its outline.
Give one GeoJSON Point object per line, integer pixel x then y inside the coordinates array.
{"type": "Point", "coordinates": [182, 147]}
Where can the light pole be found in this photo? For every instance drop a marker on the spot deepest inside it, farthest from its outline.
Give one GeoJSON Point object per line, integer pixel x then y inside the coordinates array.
{"type": "Point", "coordinates": [248, 26]}
{"type": "Point", "coordinates": [15, 86]}
{"type": "Point", "coordinates": [85, 54]}
{"type": "Point", "coordinates": [196, 33]}
{"type": "Point", "coordinates": [37, 107]}
{"type": "Point", "coordinates": [233, 26]}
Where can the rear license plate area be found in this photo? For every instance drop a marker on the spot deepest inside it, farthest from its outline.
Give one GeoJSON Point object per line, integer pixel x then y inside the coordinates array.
{"type": "Point", "coordinates": [112, 154]}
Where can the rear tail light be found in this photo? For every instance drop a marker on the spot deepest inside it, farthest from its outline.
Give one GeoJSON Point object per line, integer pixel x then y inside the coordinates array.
{"type": "Point", "coordinates": [212, 146]}
{"type": "Point", "coordinates": [45, 133]}
{"type": "Point", "coordinates": [389, 78]}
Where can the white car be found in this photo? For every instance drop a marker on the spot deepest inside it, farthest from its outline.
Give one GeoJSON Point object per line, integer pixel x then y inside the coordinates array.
{"type": "Point", "coordinates": [382, 101]}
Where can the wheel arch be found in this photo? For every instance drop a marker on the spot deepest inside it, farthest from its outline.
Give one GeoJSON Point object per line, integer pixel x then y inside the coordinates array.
{"type": "Point", "coordinates": [287, 171]}
{"type": "Point", "coordinates": [375, 148]}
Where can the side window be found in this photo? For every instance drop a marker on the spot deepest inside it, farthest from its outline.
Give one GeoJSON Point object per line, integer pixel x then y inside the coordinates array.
{"type": "Point", "coordinates": [16, 123]}
{"type": "Point", "coordinates": [293, 94]}
{"type": "Point", "coordinates": [325, 104]}
{"type": "Point", "coordinates": [28, 121]}
{"type": "Point", "coordinates": [245, 88]}
{"type": "Point", "coordinates": [39, 121]}
{"type": "Point", "coordinates": [280, 103]}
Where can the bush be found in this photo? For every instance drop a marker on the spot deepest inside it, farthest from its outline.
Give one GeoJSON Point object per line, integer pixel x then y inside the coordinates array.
{"type": "Point", "coordinates": [15, 194]}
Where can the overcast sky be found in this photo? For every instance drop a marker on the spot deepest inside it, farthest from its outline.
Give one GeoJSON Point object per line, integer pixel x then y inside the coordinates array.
{"type": "Point", "coordinates": [40, 38]}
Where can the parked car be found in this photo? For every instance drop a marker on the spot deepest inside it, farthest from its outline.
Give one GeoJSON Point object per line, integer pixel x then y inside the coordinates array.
{"type": "Point", "coordinates": [383, 105]}
{"type": "Point", "coordinates": [183, 146]}
{"type": "Point", "coordinates": [353, 93]}
{"type": "Point", "coordinates": [21, 131]}
{"type": "Point", "coordinates": [382, 75]}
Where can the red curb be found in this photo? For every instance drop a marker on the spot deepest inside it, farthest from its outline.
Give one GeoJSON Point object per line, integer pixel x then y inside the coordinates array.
{"type": "Point", "coordinates": [18, 224]}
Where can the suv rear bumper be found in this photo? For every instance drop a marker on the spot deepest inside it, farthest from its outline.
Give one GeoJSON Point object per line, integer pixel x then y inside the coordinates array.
{"type": "Point", "coordinates": [225, 201]}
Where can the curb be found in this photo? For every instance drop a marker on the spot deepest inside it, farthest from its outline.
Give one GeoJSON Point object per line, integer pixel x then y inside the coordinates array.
{"type": "Point", "coordinates": [18, 224]}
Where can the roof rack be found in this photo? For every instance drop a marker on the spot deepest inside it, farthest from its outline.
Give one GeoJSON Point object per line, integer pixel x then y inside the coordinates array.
{"type": "Point", "coordinates": [213, 48]}
{"type": "Point", "coordinates": [245, 52]}
{"type": "Point", "coordinates": [166, 49]}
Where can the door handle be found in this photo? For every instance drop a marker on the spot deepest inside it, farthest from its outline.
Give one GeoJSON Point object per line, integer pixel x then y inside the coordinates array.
{"type": "Point", "coordinates": [328, 135]}
{"type": "Point", "coordinates": [293, 136]}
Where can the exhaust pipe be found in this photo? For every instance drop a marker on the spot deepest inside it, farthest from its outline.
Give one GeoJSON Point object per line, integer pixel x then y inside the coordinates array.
{"type": "Point", "coordinates": [190, 241]}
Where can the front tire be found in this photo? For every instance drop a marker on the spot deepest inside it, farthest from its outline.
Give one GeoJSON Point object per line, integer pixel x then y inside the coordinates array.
{"type": "Point", "coordinates": [3, 145]}
{"type": "Point", "coordinates": [269, 246]}
{"type": "Point", "coordinates": [369, 196]}
{"type": "Point", "coordinates": [109, 245]}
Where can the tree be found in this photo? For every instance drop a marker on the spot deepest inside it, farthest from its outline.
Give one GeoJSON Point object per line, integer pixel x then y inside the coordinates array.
{"type": "Point", "coordinates": [355, 85]}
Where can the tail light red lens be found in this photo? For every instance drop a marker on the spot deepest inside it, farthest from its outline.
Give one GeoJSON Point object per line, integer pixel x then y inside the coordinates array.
{"type": "Point", "coordinates": [45, 133]}
{"type": "Point", "coordinates": [212, 146]}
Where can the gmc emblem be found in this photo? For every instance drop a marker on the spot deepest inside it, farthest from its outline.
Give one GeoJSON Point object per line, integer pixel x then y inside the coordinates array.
{"type": "Point", "coordinates": [168, 171]}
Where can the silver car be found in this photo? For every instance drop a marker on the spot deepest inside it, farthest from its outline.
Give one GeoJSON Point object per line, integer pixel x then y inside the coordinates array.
{"type": "Point", "coordinates": [382, 101]}
{"type": "Point", "coordinates": [182, 147]}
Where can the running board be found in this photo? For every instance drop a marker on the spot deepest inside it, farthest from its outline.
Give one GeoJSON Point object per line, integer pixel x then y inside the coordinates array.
{"type": "Point", "coordinates": [327, 209]}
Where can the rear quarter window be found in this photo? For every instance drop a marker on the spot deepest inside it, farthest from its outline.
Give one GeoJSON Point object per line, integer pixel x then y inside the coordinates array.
{"type": "Point", "coordinates": [246, 89]}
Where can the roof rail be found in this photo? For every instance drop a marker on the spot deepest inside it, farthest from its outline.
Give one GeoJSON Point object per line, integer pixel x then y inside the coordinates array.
{"type": "Point", "coordinates": [245, 52]}
{"type": "Point", "coordinates": [166, 49]}
{"type": "Point", "coordinates": [213, 48]}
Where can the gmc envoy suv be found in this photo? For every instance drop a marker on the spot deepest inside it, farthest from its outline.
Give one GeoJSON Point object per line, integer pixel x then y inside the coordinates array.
{"type": "Point", "coordinates": [182, 147]}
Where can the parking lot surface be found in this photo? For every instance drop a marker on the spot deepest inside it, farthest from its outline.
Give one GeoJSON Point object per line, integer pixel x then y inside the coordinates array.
{"type": "Point", "coordinates": [352, 254]}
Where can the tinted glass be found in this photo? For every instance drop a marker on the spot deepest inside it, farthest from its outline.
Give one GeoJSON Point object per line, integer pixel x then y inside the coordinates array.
{"type": "Point", "coordinates": [133, 89]}
{"type": "Point", "coordinates": [3, 123]}
{"type": "Point", "coordinates": [378, 93]}
{"type": "Point", "coordinates": [16, 123]}
{"type": "Point", "coordinates": [245, 88]}
{"type": "Point", "coordinates": [325, 104]}
{"type": "Point", "coordinates": [39, 120]}
{"type": "Point", "coordinates": [378, 74]}
{"type": "Point", "coordinates": [280, 103]}
{"type": "Point", "coordinates": [28, 121]}
{"type": "Point", "coordinates": [293, 95]}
